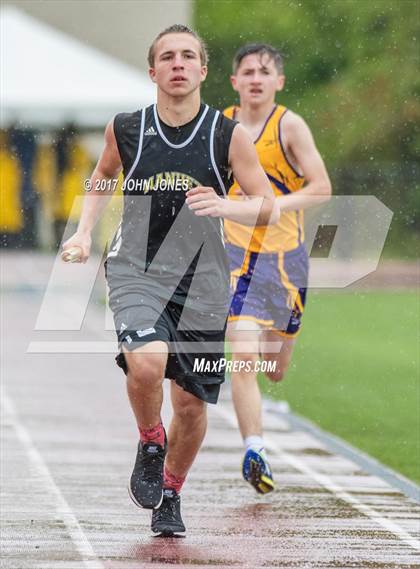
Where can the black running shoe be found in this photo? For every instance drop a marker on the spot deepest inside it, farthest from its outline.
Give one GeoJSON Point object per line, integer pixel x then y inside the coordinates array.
{"type": "Point", "coordinates": [146, 482]}
{"type": "Point", "coordinates": [166, 519]}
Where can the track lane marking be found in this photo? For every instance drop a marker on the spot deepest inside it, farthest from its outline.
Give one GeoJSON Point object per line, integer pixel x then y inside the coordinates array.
{"type": "Point", "coordinates": [327, 483]}
{"type": "Point", "coordinates": [62, 508]}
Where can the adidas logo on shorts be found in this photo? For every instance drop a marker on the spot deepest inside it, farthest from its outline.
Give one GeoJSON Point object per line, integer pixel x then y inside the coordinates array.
{"type": "Point", "coordinates": [150, 132]}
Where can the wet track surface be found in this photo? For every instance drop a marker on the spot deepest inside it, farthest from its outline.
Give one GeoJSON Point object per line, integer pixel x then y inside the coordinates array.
{"type": "Point", "coordinates": [68, 446]}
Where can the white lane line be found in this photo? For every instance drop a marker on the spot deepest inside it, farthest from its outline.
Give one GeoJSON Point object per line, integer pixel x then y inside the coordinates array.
{"type": "Point", "coordinates": [338, 446]}
{"type": "Point", "coordinates": [327, 483]}
{"type": "Point", "coordinates": [62, 508]}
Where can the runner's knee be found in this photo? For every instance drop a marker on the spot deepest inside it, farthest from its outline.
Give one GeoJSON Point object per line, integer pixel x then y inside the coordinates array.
{"type": "Point", "coordinates": [146, 368]}
{"type": "Point", "coordinates": [191, 410]}
{"type": "Point", "coordinates": [276, 375]}
{"type": "Point", "coordinates": [244, 363]}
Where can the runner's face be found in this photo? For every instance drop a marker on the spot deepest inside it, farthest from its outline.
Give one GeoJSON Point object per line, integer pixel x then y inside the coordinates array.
{"type": "Point", "coordinates": [177, 67]}
{"type": "Point", "coordinates": [257, 79]}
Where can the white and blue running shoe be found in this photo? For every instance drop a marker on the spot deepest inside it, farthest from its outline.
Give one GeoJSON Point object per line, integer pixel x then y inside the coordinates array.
{"type": "Point", "coordinates": [257, 471]}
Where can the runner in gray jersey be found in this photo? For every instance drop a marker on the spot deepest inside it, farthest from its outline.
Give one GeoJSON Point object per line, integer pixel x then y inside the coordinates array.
{"type": "Point", "coordinates": [166, 268]}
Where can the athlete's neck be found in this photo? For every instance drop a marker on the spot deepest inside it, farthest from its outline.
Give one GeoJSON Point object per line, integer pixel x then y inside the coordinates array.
{"type": "Point", "coordinates": [252, 116]}
{"type": "Point", "coordinates": [176, 111]}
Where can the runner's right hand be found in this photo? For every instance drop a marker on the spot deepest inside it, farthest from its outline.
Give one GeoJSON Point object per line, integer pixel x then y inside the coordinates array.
{"type": "Point", "coordinates": [82, 240]}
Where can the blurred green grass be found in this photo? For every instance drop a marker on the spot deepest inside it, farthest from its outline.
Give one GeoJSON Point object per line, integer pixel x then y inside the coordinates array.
{"type": "Point", "coordinates": [355, 373]}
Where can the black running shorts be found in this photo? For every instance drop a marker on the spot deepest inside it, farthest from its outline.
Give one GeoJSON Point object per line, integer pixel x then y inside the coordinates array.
{"type": "Point", "coordinates": [196, 357]}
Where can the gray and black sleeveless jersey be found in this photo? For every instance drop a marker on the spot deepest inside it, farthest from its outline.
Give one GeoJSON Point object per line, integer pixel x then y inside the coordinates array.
{"type": "Point", "coordinates": [161, 247]}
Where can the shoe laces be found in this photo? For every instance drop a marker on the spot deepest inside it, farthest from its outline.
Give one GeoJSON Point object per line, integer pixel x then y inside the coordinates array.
{"type": "Point", "coordinates": [169, 506]}
{"type": "Point", "coordinates": [152, 466]}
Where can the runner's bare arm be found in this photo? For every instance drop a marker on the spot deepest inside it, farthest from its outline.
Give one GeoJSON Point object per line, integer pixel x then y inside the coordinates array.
{"type": "Point", "coordinates": [261, 209]}
{"type": "Point", "coordinates": [95, 200]}
{"type": "Point", "coordinates": [298, 141]}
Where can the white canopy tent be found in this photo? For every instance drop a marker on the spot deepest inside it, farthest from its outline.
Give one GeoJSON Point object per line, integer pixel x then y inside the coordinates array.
{"type": "Point", "coordinates": [49, 78]}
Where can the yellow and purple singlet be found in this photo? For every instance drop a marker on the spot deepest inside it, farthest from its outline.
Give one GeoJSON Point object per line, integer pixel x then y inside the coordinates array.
{"type": "Point", "coordinates": [269, 265]}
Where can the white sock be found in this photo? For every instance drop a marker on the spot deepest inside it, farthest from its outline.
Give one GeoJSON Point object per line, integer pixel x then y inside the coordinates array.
{"type": "Point", "coordinates": [255, 442]}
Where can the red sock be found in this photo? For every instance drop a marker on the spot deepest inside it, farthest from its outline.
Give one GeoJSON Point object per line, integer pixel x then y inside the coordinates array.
{"type": "Point", "coordinates": [154, 435]}
{"type": "Point", "coordinates": [172, 481]}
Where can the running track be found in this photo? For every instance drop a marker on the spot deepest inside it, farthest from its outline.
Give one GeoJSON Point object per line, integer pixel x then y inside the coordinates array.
{"type": "Point", "coordinates": [68, 445]}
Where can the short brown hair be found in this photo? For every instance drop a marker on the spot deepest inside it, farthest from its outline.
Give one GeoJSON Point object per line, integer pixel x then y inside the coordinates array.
{"type": "Point", "coordinates": [260, 49]}
{"type": "Point", "coordinates": [178, 29]}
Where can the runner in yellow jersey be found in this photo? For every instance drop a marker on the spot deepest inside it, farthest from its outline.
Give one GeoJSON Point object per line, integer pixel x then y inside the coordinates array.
{"type": "Point", "coordinates": [269, 265]}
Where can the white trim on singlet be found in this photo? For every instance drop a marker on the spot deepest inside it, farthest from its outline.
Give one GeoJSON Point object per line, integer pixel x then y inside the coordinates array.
{"type": "Point", "coordinates": [118, 240]}
{"type": "Point", "coordinates": [136, 161]}
{"type": "Point", "coordinates": [118, 235]}
{"type": "Point", "coordinates": [189, 139]}
{"type": "Point", "coordinates": [213, 161]}
{"type": "Point", "coordinates": [222, 231]}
